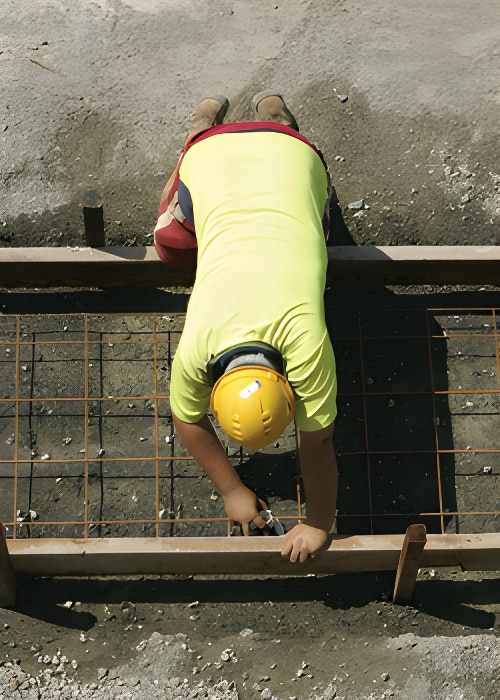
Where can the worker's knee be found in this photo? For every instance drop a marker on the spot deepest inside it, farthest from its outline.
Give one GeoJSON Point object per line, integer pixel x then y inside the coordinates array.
{"type": "Point", "coordinates": [175, 245]}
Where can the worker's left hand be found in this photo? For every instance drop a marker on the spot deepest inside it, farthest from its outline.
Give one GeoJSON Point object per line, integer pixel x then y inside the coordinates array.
{"type": "Point", "coordinates": [303, 541]}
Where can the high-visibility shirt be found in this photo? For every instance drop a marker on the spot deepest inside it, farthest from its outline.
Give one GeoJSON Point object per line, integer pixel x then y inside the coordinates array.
{"type": "Point", "coordinates": [258, 199]}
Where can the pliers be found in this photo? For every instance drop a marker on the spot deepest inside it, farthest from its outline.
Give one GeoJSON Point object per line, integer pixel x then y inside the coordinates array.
{"type": "Point", "coordinates": [272, 527]}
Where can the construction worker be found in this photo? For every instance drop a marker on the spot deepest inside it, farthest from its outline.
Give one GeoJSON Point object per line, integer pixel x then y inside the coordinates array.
{"type": "Point", "coordinates": [248, 204]}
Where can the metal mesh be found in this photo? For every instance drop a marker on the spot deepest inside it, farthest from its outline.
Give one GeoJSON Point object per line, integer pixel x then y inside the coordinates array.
{"type": "Point", "coordinates": [87, 446]}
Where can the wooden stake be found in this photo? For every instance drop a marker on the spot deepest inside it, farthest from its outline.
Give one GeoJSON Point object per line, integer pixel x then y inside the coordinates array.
{"type": "Point", "coordinates": [7, 576]}
{"type": "Point", "coordinates": [410, 562]}
{"type": "Point", "coordinates": [93, 219]}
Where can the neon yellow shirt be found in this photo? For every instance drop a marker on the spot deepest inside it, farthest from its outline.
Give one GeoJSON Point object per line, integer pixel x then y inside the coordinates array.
{"type": "Point", "coordinates": [258, 202]}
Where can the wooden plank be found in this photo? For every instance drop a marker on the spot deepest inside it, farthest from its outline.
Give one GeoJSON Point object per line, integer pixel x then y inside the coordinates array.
{"type": "Point", "coordinates": [410, 562]}
{"type": "Point", "coordinates": [7, 575]}
{"type": "Point", "coordinates": [470, 552]}
{"type": "Point", "coordinates": [94, 268]}
{"type": "Point", "coordinates": [415, 264]}
{"type": "Point", "coordinates": [241, 555]}
{"type": "Point", "coordinates": [139, 266]}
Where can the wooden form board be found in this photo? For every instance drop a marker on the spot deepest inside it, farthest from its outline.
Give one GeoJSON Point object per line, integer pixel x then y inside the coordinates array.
{"type": "Point", "coordinates": [139, 266]}
{"type": "Point", "coordinates": [241, 555]}
{"type": "Point", "coordinates": [7, 575]}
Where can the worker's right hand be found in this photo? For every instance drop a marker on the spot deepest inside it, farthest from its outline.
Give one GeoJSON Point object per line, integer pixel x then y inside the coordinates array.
{"type": "Point", "coordinates": [241, 506]}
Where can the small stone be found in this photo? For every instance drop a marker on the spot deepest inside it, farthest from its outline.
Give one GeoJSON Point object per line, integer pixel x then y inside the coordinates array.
{"type": "Point", "coordinates": [228, 655]}
{"type": "Point", "coordinates": [385, 677]}
{"type": "Point", "coordinates": [358, 204]}
{"type": "Point", "coordinates": [27, 517]}
{"type": "Point", "coordinates": [330, 692]}
{"type": "Point", "coordinates": [487, 470]}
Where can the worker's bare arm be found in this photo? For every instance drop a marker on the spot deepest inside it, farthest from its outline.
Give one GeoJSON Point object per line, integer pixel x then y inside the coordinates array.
{"type": "Point", "coordinates": [203, 444]}
{"type": "Point", "coordinates": [320, 476]}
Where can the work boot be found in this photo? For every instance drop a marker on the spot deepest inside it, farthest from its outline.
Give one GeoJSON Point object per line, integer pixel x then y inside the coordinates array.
{"type": "Point", "coordinates": [271, 107]}
{"type": "Point", "coordinates": [209, 112]}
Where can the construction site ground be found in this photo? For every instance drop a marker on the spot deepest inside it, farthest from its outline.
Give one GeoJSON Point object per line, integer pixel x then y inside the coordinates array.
{"type": "Point", "coordinates": [403, 101]}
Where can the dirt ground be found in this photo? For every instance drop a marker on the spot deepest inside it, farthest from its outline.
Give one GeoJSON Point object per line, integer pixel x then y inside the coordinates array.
{"type": "Point", "coordinates": [403, 101]}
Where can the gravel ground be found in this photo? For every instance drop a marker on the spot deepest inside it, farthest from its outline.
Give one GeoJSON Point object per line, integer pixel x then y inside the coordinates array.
{"type": "Point", "coordinates": [315, 637]}
{"type": "Point", "coordinates": [403, 100]}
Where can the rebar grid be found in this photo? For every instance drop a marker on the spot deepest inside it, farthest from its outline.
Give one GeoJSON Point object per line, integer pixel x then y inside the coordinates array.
{"type": "Point", "coordinates": [87, 446]}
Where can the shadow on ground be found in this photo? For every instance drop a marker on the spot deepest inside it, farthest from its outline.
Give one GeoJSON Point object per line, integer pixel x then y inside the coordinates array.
{"type": "Point", "coordinates": [449, 600]}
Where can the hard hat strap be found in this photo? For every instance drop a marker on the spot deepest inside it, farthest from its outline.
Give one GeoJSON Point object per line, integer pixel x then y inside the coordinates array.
{"type": "Point", "coordinates": [256, 353]}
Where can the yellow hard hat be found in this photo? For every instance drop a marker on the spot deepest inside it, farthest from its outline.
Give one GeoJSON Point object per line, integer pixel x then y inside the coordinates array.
{"type": "Point", "coordinates": [253, 405]}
